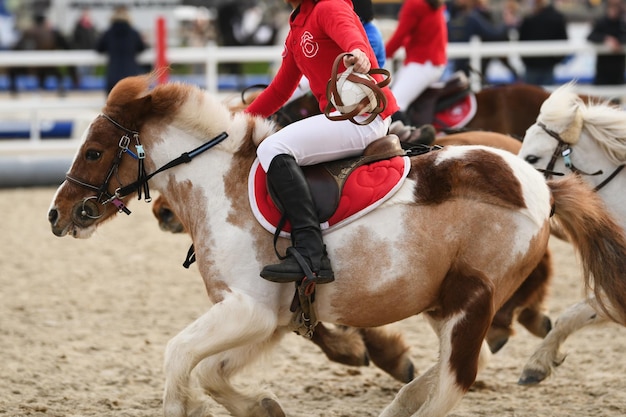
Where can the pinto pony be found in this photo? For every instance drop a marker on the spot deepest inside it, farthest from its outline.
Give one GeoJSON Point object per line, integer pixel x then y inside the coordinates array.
{"type": "Point", "coordinates": [387, 349]}
{"type": "Point", "coordinates": [587, 140]}
{"type": "Point", "coordinates": [454, 242]}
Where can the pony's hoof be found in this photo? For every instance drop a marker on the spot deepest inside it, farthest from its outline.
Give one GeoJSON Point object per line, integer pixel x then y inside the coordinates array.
{"type": "Point", "coordinates": [532, 377]}
{"type": "Point", "coordinates": [272, 408]}
{"type": "Point", "coordinates": [405, 372]}
{"type": "Point", "coordinates": [496, 345]}
{"type": "Point", "coordinates": [546, 326]}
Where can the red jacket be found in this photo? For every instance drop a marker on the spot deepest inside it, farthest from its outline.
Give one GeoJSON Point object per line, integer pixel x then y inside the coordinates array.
{"type": "Point", "coordinates": [319, 32]}
{"type": "Point", "coordinates": [422, 32]}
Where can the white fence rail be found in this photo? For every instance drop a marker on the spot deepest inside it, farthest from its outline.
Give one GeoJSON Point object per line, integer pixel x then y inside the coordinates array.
{"type": "Point", "coordinates": [211, 56]}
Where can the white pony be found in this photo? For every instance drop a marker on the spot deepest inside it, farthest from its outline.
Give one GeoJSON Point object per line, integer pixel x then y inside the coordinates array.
{"type": "Point", "coordinates": [459, 236]}
{"type": "Point", "coordinates": [589, 140]}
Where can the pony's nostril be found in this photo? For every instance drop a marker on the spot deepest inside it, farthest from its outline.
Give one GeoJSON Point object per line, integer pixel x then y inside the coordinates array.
{"type": "Point", "coordinates": [53, 215]}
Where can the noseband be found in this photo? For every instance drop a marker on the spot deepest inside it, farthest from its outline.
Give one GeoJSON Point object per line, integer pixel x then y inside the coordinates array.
{"type": "Point", "coordinates": [564, 150]}
{"type": "Point", "coordinates": [104, 197]}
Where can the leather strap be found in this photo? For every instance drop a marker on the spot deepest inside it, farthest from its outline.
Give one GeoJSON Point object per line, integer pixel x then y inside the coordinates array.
{"type": "Point", "coordinates": [331, 91]}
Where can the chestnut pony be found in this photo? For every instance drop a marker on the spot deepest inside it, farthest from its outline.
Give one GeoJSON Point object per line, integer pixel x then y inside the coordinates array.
{"type": "Point", "coordinates": [458, 237]}
{"type": "Point", "coordinates": [587, 140]}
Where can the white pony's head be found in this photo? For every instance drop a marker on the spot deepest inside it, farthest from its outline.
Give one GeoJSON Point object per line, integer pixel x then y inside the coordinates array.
{"type": "Point", "coordinates": [561, 113]}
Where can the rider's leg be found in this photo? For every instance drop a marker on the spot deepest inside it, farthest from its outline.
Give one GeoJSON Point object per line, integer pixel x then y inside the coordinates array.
{"type": "Point", "coordinates": [410, 81]}
{"type": "Point", "coordinates": [288, 183]}
{"type": "Point", "coordinates": [309, 141]}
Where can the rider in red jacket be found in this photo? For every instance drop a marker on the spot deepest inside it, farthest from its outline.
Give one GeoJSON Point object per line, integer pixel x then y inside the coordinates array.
{"type": "Point", "coordinates": [423, 33]}
{"type": "Point", "coordinates": [320, 30]}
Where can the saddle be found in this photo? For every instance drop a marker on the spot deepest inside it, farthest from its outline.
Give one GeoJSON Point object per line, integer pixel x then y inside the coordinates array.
{"type": "Point", "coordinates": [326, 180]}
{"type": "Point", "coordinates": [438, 97]}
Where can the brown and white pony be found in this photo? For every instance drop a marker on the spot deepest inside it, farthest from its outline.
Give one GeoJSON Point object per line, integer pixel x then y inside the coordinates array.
{"type": "Point", "coordinates": [458, 237]}
{"type": "Point", "coordinates": [587, 140]}
{"type": "Point", "coordinates": [387, 349]}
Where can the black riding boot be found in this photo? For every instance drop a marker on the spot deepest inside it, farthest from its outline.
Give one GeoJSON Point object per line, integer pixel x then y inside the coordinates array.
{"type": "Point", "coordinates": [288, 183]}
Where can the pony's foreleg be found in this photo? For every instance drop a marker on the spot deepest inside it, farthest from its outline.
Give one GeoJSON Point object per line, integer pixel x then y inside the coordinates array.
{"type": "Point", "coordinates": [236, 321]}
{"type": "Point", "coordinates": [547, 356]}
{"type": "Point", "coordinates": [214, 377]}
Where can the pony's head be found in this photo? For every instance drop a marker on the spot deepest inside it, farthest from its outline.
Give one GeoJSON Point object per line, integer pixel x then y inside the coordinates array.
{"type": "Point", "coordinates": [566, 123]}
{"type": "Point", "coordinates": [112, 147]}
{"type": "Point", "coordinates": [561, 113]}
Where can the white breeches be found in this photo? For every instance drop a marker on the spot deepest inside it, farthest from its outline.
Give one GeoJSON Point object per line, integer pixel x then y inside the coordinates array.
{"type": "Point", "coordinates": [317, 139]}
{"type": "Point", "coordinates": [412, 79]}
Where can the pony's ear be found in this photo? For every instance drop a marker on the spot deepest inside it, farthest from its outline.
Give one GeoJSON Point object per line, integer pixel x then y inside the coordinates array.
{"type": "Point", "coordinates": [571, 135]}
{"type": "Point", "coordinates": [138, 109]}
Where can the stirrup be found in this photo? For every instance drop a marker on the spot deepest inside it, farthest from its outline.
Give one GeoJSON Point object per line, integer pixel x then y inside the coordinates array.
{"type": "Point", "coordinates": [324, 276]}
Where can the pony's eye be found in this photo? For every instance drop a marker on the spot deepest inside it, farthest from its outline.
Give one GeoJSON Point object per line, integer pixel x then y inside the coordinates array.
{"type": "Point", "coordinates": [93, 155]}
{"type": "Point", "coordinates": [532, 159]}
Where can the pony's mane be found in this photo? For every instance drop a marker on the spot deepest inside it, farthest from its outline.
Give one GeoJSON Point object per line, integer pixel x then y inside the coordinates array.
{"type": "Point", "coordinates": [603, 122]}
{"type": "Point", "coordinates": [193, 110]}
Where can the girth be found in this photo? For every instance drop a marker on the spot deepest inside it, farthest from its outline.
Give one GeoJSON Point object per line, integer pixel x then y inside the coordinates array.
{"type": "Point", "coordinates": [326, 180]}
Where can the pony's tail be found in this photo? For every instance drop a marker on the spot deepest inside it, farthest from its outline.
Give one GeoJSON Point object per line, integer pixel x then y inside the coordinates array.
{"type": "Point", "coordinates": [599, 239]}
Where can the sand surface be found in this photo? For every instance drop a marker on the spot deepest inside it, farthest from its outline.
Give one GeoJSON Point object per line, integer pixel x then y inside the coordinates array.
{"type": "Point", "coordinates": [84, 323]}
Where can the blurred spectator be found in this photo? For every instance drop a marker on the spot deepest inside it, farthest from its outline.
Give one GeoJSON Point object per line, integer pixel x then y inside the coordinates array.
{"type": "Point", "coordinates": [8, 33]}
{"type": "Point", "coordinates": [122, 43]}
{"type": "Point", "coordinates": [544, 23]}
{"type": "Point", "coordinates": [610, 30]}
{"type": "Point", "coordinates": [84, 36]}
{"type": "Point", "coordinates": [41, 36]}
{"type": "Point", "coordinates": [423, 33]}
{"type": "Point", "coordinates": [468, 18]}
{"type": "Point", "coordinates": [365, 10]}
{"type": "Point", "coordinates": [243, 23]}
{"type": "Point", "coordinates": [511, 9]}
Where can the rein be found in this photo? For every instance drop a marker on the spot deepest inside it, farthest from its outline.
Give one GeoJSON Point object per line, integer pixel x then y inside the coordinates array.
{"type": "Point", "coordinates": [564, 150]}
{"type": "Point", "coordinates": [104, 197]}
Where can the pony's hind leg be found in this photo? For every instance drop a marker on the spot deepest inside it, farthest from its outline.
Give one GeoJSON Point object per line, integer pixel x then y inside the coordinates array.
{"type": "Point", "coordinates": [530, 298]}
{"type": "Point", "coordinates": [547, 355]}
{"type": "Point", "coordinates": [236, 321]}
{"type": "Point", "coordinates": [461, 325]}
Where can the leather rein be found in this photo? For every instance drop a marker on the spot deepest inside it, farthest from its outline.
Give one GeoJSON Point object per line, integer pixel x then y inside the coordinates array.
{"type": "Point", "coordinates": [104, 197]}
{"type": "Point", "coordinates": [564, 150]}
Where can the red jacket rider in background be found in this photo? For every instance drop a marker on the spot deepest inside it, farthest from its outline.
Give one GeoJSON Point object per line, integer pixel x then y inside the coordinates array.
{"type": "Point", "coordinates": [319, 32]}
{"type": "Point", "coordinates": [423, 33]}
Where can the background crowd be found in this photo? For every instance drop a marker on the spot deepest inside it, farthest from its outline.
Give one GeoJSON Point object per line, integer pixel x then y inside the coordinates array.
{"type": "Point", "coordinates": [263, 22]}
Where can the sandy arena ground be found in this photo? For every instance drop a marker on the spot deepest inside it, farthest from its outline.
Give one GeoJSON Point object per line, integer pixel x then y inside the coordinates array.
{"type": "Point", "coordinates": [83, 326]}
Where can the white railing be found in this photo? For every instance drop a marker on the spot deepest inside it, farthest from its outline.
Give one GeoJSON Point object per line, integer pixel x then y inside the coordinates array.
{"type": "Point", "coordinates": [213, 55]}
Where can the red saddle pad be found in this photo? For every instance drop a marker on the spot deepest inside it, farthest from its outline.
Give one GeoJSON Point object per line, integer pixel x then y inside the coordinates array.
{"type": "Point", "coordinates": [366, 188]}
{"type": "Point", "coordinates": [457, 115]}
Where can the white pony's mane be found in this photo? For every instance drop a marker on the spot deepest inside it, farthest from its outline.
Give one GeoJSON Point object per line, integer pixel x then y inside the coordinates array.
{"type": "Point", "coordinates": [202, 113]}
{"type": "Point", "coordinates": [603, 122]}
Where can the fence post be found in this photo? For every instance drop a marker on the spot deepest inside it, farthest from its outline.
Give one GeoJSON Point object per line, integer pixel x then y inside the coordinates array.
{"type": "Point", "coordinates": [211, 67]}
{"type": "Point", "coordinates": [161, 48]}
{"type": "Point", "coordinates": [475, 64]}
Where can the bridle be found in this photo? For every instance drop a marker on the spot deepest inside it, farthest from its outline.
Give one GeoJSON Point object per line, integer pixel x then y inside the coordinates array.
{"type": "Point", "coordinates": [103, 197]}
{"type": "Point", "coordinates": [564, 150]}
